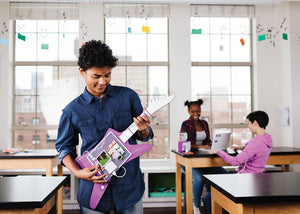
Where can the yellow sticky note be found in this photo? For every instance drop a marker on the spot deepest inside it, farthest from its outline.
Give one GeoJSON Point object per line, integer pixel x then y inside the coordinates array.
{"type": "Point", "coordinates": [146, 29]}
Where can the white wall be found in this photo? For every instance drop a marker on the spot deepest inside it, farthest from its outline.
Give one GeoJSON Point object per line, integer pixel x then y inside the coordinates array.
{"type": "Point", "coordinates": [5, 81]}
{"type": "Point", "coordinates": [277, 71]}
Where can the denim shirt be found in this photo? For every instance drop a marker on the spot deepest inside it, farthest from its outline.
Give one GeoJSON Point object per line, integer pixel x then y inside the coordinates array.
{"type": "Point", "coordinates": [90, 117]}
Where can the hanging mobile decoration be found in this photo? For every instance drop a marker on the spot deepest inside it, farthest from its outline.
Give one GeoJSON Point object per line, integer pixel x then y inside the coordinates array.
{"type": "Point", "coordinates": [84, 30]}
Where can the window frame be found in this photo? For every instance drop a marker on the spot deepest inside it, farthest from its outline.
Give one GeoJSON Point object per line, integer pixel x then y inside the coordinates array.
{"type": "Point", "coordinates": [242, 124]}
{"type": "Point", "coordinates": [31, 127]}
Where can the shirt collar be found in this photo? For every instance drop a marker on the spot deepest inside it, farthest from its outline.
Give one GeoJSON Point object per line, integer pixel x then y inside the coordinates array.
{"type": "Point", "coordinates": [109, 91]}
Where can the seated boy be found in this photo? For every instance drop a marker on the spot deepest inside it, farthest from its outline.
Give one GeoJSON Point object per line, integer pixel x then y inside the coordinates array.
{"type": "Point", "coordinates": [256, 152]}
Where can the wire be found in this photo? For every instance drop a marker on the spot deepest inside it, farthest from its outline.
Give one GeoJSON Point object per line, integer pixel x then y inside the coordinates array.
{"type": "Point", "coordinates": [120, 176]}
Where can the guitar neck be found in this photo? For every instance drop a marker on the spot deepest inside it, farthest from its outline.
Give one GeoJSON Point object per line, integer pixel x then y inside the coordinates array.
{"type": "Point", "coordinates": [128, 132]}
{"type": "Point", "coordinates": [132, 128]}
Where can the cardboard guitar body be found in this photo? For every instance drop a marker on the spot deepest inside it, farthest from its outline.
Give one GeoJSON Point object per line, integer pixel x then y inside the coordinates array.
{"type": "Point", "coordinates": [83, 161]}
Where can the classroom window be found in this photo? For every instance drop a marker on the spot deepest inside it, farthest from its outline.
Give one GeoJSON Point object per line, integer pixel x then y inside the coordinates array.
{"type": "Point", "coordinates": [141, 45]}
{"type": "Point", "coordinates": [221, 72]}
{"type": "Point", "coordinates": [45, 79]}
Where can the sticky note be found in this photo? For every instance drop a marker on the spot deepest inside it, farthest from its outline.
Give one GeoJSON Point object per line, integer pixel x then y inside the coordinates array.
{"type": "Point", "coordinates": [3, 41]}
{"type": "Point", "coordinates": [284, 36]}
{"type": "Point", "coordinates": [146, 29]}
{"type": "Point", "coordinates": [261, 37]}
{"type": "Point", "coordinates": [196, 31]}
{"type": "Point", "coordinates": [129, 29]}
{"type": "Point", "coordinates": [21, 37]}
{"type": "Point", "coordinates": [242, 41]}
{"type": "Point", "coordinates": [44, 46]}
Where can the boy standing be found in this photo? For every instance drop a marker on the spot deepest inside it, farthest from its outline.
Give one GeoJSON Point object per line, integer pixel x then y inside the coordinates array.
{"type": "Point", "coordinates": [99, 107]}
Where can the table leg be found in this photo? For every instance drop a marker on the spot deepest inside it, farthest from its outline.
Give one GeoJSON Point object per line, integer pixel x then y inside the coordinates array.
{"type": "Point", "coordinates": [59, 205]}
{"type": "Point", "coordinates": [286, 167]}
{"type": "Point", "coordinates": [189, 189]}
{"type": "Point", "coordinates": [178, 189]}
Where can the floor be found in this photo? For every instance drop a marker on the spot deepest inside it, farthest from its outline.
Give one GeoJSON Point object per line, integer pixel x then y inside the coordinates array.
{"type": "Point", "coordinates": [158, 210]}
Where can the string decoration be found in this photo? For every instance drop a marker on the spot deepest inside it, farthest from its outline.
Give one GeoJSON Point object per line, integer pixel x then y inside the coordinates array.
{"type": "Point", "coordinates": [271, 34]}
{"type": "Point", "coordinates": [84, 30]}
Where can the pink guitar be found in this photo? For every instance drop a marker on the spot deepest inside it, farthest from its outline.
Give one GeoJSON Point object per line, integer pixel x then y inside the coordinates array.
{"type": "Point", "coordinates": [114, 150]}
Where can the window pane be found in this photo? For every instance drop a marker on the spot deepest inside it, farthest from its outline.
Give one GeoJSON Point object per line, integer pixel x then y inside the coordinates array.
{"type": "Point", "coordinates": [136, 25]}
{"type": "Point", "coordinates": [23, 26]}
{"type": "Point", "coordinates": [200, 23]}
{"type": "Point", "coordinates": [117, 43]}
{"type": "Point", "coordinates": [47, 26]}
{"type": "Point", "coordinates": [68, 46]}
{"type": "Point", "coordinates": [200, 78]}
{"type": "Point", "coordinates": [137, 79]}
{"type": "Point", "coordinates": [25, 107]}
{"type": "Point", "coordinates": [158, 47]}
{"type": "Point", "coordinates": [158, 80]}
{"type": "Point", "coordinates": [205, 108]}
{"type": "Point", "coordinates": [241, 136]}
{"type": "Point", "coordinates": [115, 25]}
{"type": "Point", "coordinates": [35, 139]}
{"type": "Point", "coordinates": [54, 91]}
{"type": "Point", "coordinates": [25, 80]}
{"type": "Point", "coordinates": [158, 25]}
{"type": "Point", "coordinates": [26, 50]}
{"type": "Point", "coordinates": [221, 109]}
{"type": "Point", "coordinates": [220, 48]}
{"type": "Point", "coordinates": [240, 25]}
{"type": "Point", "coordinates": [47, 47]}
{"type": "Point", "coordinates": [69, 26]}
{"type": "Point", "coordinates": [240, 50]}
{"type": "Point", "coordinates": [219, 26]}
{"type": "Point", "coordinates": [118, 76]}
{"type": "Point", "coordinates": [136, 48]}
{"type": "Point", "coordinates": [241, 80]}
{"type": "Point", "coordinates": [220, 80]}
{"type": "Point", "coordinates": [241, 107]}
{"type": "Point", "coordinates": [200, 48]}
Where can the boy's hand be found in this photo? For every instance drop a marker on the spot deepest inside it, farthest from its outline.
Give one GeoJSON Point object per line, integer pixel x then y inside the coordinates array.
{"type": "Point", "coordinates": [213, 151]}
{"type": "Point", "coordinates": [90, 174]}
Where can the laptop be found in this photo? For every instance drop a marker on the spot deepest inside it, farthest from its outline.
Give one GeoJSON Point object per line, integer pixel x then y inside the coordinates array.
{"type": "Point", "coordinates": [220, 141]}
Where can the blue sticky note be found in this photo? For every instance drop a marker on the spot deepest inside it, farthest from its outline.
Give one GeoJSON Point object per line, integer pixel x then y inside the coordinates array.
{"type": "Point", "coordinates": [129, 29]}
{"type": "Point", "coordinates": [3, 41]}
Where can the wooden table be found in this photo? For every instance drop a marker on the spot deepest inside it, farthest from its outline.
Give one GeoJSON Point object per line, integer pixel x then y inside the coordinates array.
{"type": "Point", "coordinates": [279, 156]}
{"type": "Point", "coordinates": [29, 194]}
{"type": "Point", "coordinates": [261, 193]}
{"type": "Point", "coordinates": [35, 159]}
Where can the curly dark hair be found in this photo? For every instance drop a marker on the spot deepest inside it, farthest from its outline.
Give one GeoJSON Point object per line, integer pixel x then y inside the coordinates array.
{"type": "Point", "coordinates": [199, 102]}
{"type": "Point", "coordinates": [96, 54]}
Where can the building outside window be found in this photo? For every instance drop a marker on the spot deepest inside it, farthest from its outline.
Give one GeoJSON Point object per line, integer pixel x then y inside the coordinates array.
{"type": "Point", "coordinates": [221, 74]}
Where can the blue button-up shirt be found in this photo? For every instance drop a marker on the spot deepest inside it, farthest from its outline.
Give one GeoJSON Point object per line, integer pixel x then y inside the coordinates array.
{"type": "Point", "coordinates": [90, 117]}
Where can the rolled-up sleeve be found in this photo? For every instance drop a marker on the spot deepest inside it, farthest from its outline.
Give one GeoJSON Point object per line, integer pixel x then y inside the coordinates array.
{"type": "Point", "coordinates": [67, 137]}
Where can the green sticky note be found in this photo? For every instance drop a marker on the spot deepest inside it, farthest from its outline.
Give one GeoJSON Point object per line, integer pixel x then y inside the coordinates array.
{"type": "Point", "coordinates": [261, 37]}
{"type": "Point", "coordinates": [45, 46]}
{"type": "Point", "coordinates": [21, 37]}
{"type": "Point", "coordinates": [285, 36]}
{"type": "Point", "coordinates": [196, 31]}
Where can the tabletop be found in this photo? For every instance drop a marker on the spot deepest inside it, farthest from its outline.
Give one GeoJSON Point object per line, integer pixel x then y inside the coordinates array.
{"type": "Point", "coordinates": [261, 187]}
{"type": "Point", "coordinates": [28, 191]}
{"type": "Point", "coordinates": [35, 153]}
{"type": "Point", "coordinates": [275, 151]}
